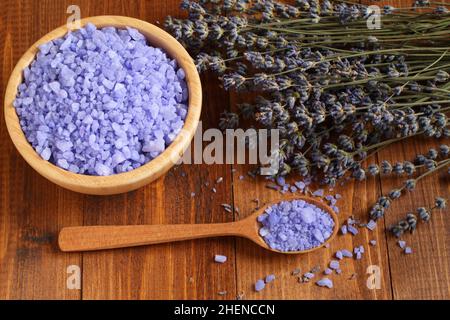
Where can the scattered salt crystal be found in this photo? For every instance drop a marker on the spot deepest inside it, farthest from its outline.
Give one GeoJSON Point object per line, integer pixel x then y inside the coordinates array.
{"type": "Point", "coordinates": [300, 185]}
{"type": "Point", "coordinates": [373, 242]}
{"type": "Point", "coordinates": [281, 181]}
{"type": "Point", "coordinates": [318, 193]}
{"type": "Point", "coordinates": [325, 282]}
{"type": "Point", "coordinates": [371, 225]}
{"type": "Point", "coordinates": [259, 285]}
{"type": "Point", "coordinates": [346, 253]}
{"type": "Point", "coordinates": [328, 271]}
{"type": "Point", "coordinates": [192, 194]}
{"type": "Point", "coordinates": [339, 255]}
{"type": "Point", "coordinates": [352, 230]}
{"type": "Point", "coordinates": [270, 278]}
{"type": "Point", "coordinates": [344, 229]}
{"type": "Point", "coordinates": [401, 244]}
{"type": "Point", "coordinates": [308, 275]}
{"type": "Point", "coordinates": [220, 258]}
{"type": "Point", "coordinates": [334, 264]}
{"type": "Point", "coordinates": [408, 250]}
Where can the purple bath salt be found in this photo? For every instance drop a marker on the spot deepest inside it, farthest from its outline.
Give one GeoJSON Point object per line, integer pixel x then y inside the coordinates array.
{"type": "Point", "coordinates": [344, 229]}
{"type": "Point", "coordinates": [352, 230]}
{"type": "Point", "coordinates": [339, 255]}
{"type": "Point", "coordinates": [401, 244]}
{"type": "Point", "coordinates": [295, 226]}
{"type": "Point", "coordinates": [220, 258]}
{"type": "Point", "coordinates": [334, 264]}
{"type": "Point", "coordinates": [325, 282]}
{"type": "Point", "coordinates": [407, 250]}
{"type": "Point", "coordinates": [346, 253]}
{"type": "Point", "coordinates": [270, 278]}
{"type": "Point", "coordinates": [260, 285]}
{"type": "Point", "coordinates": [101, 101]}
{"type": "Point", "coordinates": [371, 225]}
{"type": "Point", "coordinates": [327, 271]}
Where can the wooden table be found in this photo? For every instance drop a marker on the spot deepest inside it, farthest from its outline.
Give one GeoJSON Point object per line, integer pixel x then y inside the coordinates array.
{"type": "Point", "coordinates": [33, 210]}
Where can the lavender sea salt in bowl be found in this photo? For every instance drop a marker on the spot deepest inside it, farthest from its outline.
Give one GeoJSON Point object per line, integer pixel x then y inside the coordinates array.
{"type": "Point", "coordinates": [149, 153]}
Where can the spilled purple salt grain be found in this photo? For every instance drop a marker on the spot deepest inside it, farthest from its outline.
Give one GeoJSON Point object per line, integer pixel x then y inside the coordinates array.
{"type": "Point", "coordinates": [318, 193]}
{"type": "Point", "coordinates": [407, 250]}
{"type": "Point", "coordinates": [401, 244]}
{"type": "Point", "coordinates": [101, 101]}
{"type": "Point", "coordinates": [339, 255]}
{"type": "Point", "coordinates": [327, 271]}
{"type": "Point", "coordinates": [352, 230]}
{"type": "Point", "coordinates": [371, 225]}
{"type": "Point", "coordinates": [373, 242]}
{"type": "Point", "coordinates": [220, 258]}
{"type": "Point", "coordinates": [260, 285]}
{"type": "Point", "coordinates": [270, 278]}
{"type": "Point", "coordinates": [334, 264]}
{"type": "Point", "coordinates": [344, 229]}
{"type": "Point", "coordinates": [325, 282]}
{"type": "Point", "coordinates": [309, 275]}
{"type": "Point", "coordinates": [281, 181]}
{"type": "Point", "coordinates": [295, 226]}
{"type": "Point", "coordinates": [300, 185]}
{"type": "Point", "coordinates": [347, 253]}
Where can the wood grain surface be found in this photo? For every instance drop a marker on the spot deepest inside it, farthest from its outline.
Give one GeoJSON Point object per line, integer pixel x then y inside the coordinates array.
{"type": "Point", "coordinates": [33, 210]}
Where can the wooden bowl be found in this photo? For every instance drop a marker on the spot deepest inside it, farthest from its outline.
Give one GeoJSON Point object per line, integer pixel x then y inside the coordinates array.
{"type": "Point", "coordinates": [123, 182]}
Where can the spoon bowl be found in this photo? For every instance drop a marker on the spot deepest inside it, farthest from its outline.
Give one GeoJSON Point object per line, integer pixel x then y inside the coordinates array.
{"type": "Point", "coordinates": [90, 238]}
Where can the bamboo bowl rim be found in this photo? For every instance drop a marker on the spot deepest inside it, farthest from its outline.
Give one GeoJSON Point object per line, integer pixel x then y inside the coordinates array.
{"type": "Point", "coordinates": [122, 182]}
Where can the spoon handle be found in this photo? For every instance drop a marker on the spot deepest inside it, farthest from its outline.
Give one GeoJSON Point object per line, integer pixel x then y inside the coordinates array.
{"type": "Point", "coordinates": [89, 238]}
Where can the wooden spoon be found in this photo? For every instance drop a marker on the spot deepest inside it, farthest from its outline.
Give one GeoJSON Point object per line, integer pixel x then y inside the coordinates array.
{"type": "Point", "coordinates": [89, 238]}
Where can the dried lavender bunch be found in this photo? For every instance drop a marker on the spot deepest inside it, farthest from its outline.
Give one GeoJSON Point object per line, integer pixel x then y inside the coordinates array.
{"type": "Point", "coordinates": [411, 219]}
{"type": "Point", "coordinates": [431, 163]}
{"type": "Point", "coordinates": [337, 91]}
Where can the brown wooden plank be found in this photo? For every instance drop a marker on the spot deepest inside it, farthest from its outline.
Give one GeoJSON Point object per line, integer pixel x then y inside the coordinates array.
{"type": "Point", "coordinates": [32, 209]}
{"type": "Point", "coordinates": [425, 273]}
{"type": "Point", "coordinates": [172, 271]}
